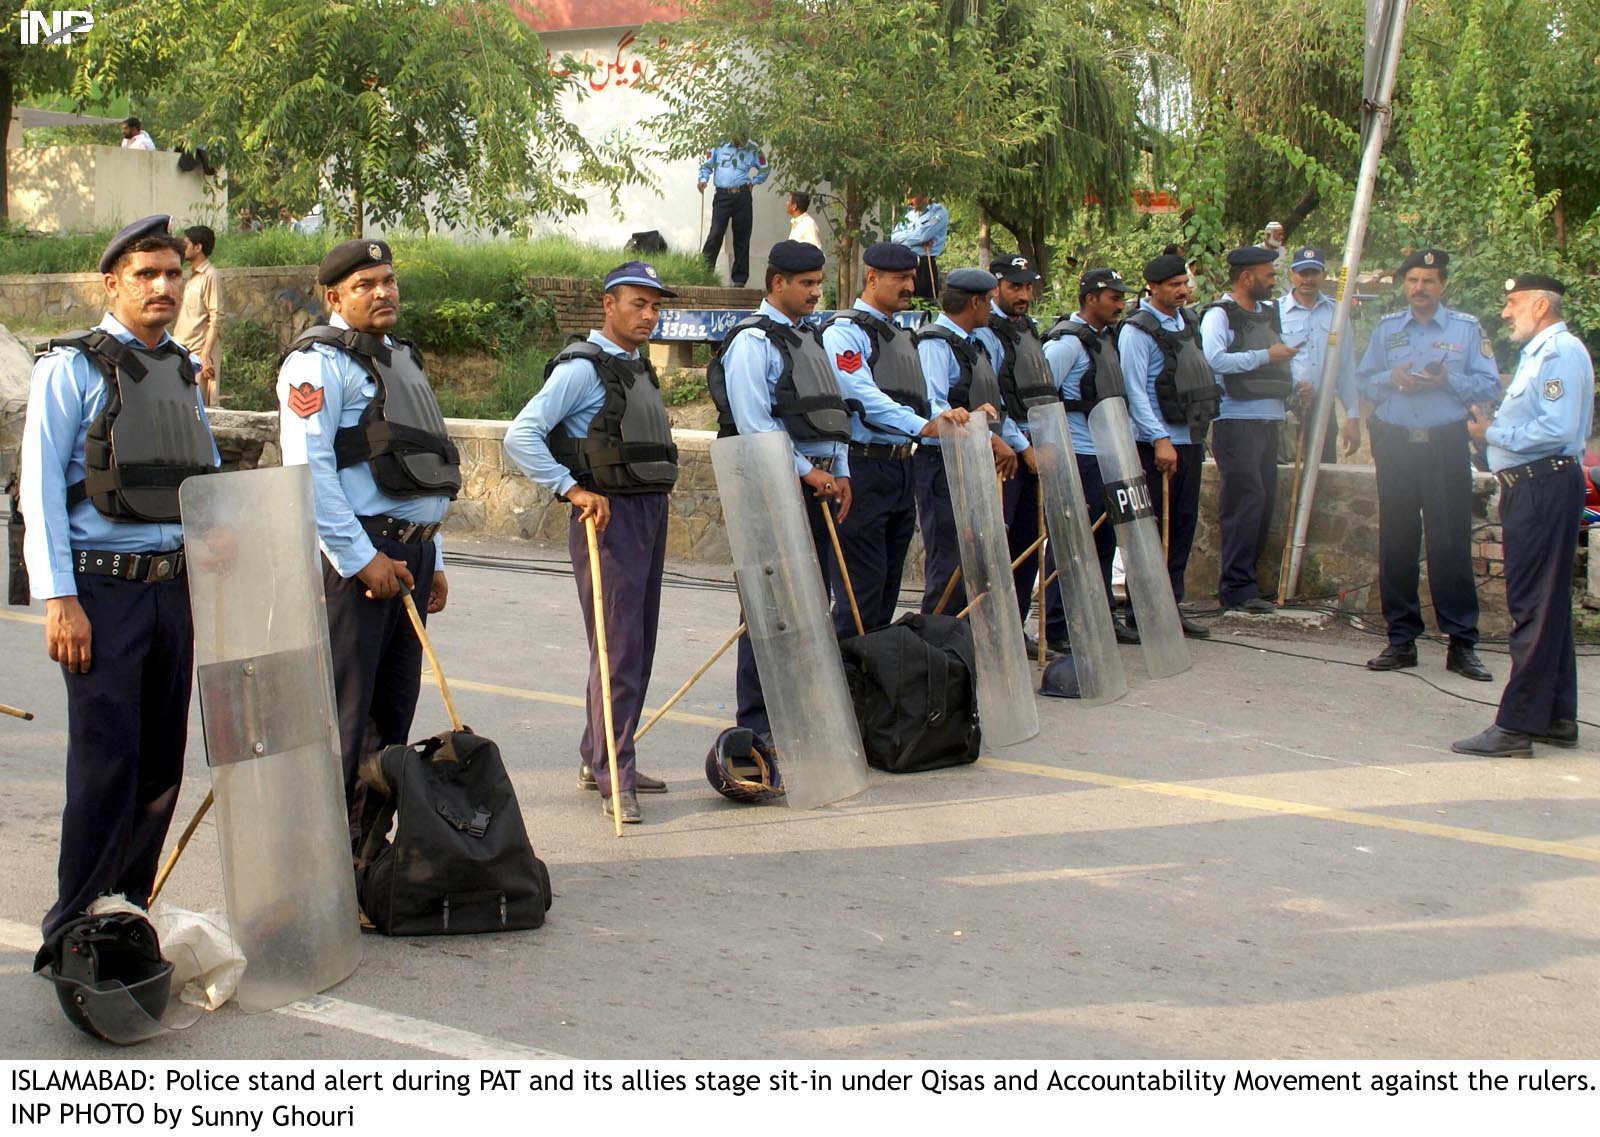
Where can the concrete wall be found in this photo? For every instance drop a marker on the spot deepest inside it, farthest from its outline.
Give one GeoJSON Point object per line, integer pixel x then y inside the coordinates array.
{"type": "Point", "coordinates": [283, 298]}
{"type": "Point", "coordinates": [1341, 562]}
{"type": "Point", "coordinates": [73, 189]}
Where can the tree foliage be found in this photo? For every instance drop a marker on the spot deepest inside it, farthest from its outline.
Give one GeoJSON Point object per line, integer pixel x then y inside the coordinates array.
{"type": "Point", "coordinates": [413, 112]}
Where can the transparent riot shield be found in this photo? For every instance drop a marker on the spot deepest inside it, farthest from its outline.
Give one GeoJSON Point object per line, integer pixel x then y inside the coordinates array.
{"type": "Point", "coordinates": [819, 752]}
{"type": "Point", "coordinates": [1005, 681]}
{"type": "Point", "coordinates": [1130, 509]}
{"type": "Point", "coordinates": [1083, 591]}
{"type": "Point", "coordinates": [265, 677]}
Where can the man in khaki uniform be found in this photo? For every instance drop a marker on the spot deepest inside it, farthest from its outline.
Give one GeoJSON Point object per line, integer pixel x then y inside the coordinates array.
{"type": "Point", "coordinates": [199, 325]}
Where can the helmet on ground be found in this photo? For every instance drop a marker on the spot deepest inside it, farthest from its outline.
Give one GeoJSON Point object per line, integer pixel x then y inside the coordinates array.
{"type": "Point", "coordinates": [1061, 678]}
{"type": "Point", "coordinates": [740, 767]}
{"type": "Point", "coordinates": [109, 976]}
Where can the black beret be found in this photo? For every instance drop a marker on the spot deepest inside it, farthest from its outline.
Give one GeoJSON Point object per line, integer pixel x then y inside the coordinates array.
{"type": "Point", "coordinates": [889, 257]}
{"type": "Point", "coordinates": [155, 226]}
{"type": "Point", "coordinates": [348, 256]}
{"type": "Point", "coordinates": [1534, 282]}
{"type": "Point", "coordinates": [1251, 255]}
{"type": "Point", "coordinates": [1165, 267]}
{"type": "Point", "coordinates": [795, 256]}
{"type": "Point", "coordinates": [973, 280]}
{"type": "Point", "coordinates": [1426, 258]}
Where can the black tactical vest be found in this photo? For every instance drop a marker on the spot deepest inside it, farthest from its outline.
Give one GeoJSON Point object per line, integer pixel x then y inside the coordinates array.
{"type": "Point", "coordinates": [149, 435]}
{"type": "Point", "coordinates": [1253, 331]}
{"type": "Point", "coordinates": [977, 383]}
{"type": "Point", "coordinates": [1025, 379]}
{"type": "Point", "coordinates": [896, 368]}
{"type": "Point", "coordinates": [629, 448]}
{"type": "Point", "coordinates": [807, 400]}
{"type": "Point", "coordinates": [1186, 390]}
{"type": "Point", "coordinates": [401, 432]}
{"type": "Point", "coordinates": [1104, 378]}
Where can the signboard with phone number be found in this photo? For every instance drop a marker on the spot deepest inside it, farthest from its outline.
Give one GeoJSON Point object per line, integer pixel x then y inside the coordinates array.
{"type": "Point", "coordinates": [713, 324]}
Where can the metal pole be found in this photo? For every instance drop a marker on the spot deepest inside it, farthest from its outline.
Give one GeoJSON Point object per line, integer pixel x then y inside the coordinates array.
{"type": "Point", "coordinates": [1366, 185]}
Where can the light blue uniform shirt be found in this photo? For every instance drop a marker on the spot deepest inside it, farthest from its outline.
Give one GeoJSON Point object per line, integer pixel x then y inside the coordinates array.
{"type": "Point", "coordinates": [1069, 363]}
{"type": "Point", "coordinates": [858, 386]}
{"type": "Point", "coordinates": [941, 370]}
{"type": "Point", "coordinates": [1141, 364]}
{"type": "Point", "coordinates": [1401, 340]}
{"type": "Point", "coordinates": [1549, 407]}
{"type": "Point", "coordinates": [752, 367]}
{"type": "Point", "coordinates": [729, 165]}
{"type": "Point", "coordinates": [1309, 328]}
{"type": "Point", "coordinates": [341, 496]}
{"type": "Point", "coordinates": [923, 227]}
{"type": "Point", "coordinates": [568, 401]}
{"type": "Point", "coordinates": [1217, 337]}
{"type": "Point", "coordinates": [66, 396]}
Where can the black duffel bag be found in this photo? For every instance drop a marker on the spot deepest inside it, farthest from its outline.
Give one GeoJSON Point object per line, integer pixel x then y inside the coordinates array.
{"type": "Point", "coordinates": [915, 693]}
{"type": "Point", "coordinates": [460, 861]}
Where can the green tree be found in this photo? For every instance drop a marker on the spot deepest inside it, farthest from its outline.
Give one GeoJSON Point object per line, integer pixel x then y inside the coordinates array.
{"type": "Point", "coordinates": [26, 71]}
{"type": "Point", "coordinates": [864, 98]}
{"type": "Point", "coordinates": [416, 112]}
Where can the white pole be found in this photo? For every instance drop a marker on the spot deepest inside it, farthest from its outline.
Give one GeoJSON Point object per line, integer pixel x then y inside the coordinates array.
{"type": "Point", "coordinates": [1366, 184]}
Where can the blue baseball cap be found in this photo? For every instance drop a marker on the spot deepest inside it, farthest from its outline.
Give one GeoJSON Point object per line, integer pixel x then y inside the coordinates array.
{"type": "Point", "coordinates": [638, 273]}
{"type": "Point", "coordinates": [1308, 257]}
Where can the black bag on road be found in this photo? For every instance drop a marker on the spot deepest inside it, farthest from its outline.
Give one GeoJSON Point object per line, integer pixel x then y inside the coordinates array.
{"type": "Point", "coordinates": [915, 694]}
{"type": "Point", "coordinates": [460, 861]}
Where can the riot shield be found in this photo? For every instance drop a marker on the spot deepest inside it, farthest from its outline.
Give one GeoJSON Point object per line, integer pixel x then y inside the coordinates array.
{"type": "Point", "coordinates": [1130, 509]}
{"type": "Point", "coordinates": [265, 677]}
{"type": "Point", "coordinates": [1005, 682]}
{"type": "Point", "coordinates": [819, 753]}
{"type": "Point", "coordinates": [1083, 591]}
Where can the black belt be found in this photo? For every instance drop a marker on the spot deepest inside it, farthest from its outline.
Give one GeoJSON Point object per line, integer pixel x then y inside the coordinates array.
{"type": "Point", "coordinates": [883, 450]}
{"type": "Point", "coordinates": [1417, 434]}
{"type": "Point", "coordinates": [823, 464]}
{"type": "Point", "coordinates": [399, 529]}
{"type": "Point", "coordinates": [148, 568]}
{"type": "Point", "coordinates": [1531, 471]}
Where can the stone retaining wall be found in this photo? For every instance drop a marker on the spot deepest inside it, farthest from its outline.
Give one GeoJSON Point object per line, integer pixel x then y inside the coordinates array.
{"type": "Point", "coordinates": [283, 298]}
{"type": "Point", "coordinates": [1341, 561]}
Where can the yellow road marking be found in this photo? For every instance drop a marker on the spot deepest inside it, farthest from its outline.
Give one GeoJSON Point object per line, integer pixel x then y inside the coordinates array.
{"type": "Point", "coordinates": [21, 617]}
{"type": "Point", "coordinates": [569, 700]}
{"type": "Point", "coordinates": [1300, 809]}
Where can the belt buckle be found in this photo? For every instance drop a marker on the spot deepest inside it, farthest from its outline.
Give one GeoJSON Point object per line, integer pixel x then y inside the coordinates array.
{"type": "Point", "coordinates": [1417, 434]}
{"type": "Point", "coordinates": [408, 533]}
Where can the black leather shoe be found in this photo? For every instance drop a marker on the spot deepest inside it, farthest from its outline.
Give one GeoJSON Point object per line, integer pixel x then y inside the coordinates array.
{"type": "Point", "coordinates": [1256, 605]}
{"type": "Point", "coordinates": [1496, 742]}
{"type": "Point", "coordinates": [642, 783]}
{"type": "Point", "coordinates": [1124, 633]}
{"type": "Point", "coordinates": [1060, 645]}
{"type": "Point", "coordinates": [1561, 732]}
{"type": "Point", "coordinates": [630, 807]}
{"type": "Point", "coordinates": [1394, 657]}
{"type": "Point", "coordinates": [1465, 662]}
{"type": "Point", "coordinates": [1192, 629]}
{"type": "Point", "coordinates": [1050, 649]}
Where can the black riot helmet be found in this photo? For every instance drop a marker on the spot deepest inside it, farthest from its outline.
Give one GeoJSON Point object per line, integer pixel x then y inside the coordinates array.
{"type": "Point", "coordinates": [741, 769]}
{"type": "Point", "coordinates": [109, 976]}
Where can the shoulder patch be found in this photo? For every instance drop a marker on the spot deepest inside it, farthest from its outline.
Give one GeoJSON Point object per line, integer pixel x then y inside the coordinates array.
{"type": "Point", "coordinates": [305, 400]}
{"type": "Point", "coordinates": [848, 361]}
{"type": "Point", "coordinates": [1553, 389]}
{"type": "Point", "coordinates": [1486, 347]}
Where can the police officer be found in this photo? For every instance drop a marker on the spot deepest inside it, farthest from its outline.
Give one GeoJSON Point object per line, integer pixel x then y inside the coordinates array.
{"type": "Point", "coordinates": [774, 374]}
{"type": "Point", "coordinates": [1081, 350]}
{"type": "Point", "coordinates": [959, 374]}
{"type": "Point", "coordinates": [1424, 368]}
{"type": "Point", "coordinates": [355, 406]}
{"type": "Point", "coordinates": [1012, 340]}
{"type": "Point", "coordinates": [923, 230]}
{"type": "Point", "coordinates": [732, 168]}
{"type": "Point", "coordinates": [880, 376]}
{"type": "Point", "coordinates": [1172, 394]}
{"type": "Point", "coordinates": [597, 435]}
{"type": "Point", "coordinates": [1243, 344]}
{"type": "Point", "coordinates": [1306, 313]}
{"type": "Point", "coordinates": [104, 551]}
{"type": "Point", "coordinates": [1536, 446]}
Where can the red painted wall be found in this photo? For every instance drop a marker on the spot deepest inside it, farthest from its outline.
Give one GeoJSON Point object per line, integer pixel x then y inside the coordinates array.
{"type": "Point", "coordinates": [574, 15]}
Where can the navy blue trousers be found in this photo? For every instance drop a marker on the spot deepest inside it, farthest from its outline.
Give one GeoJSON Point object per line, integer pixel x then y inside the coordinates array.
{"type": "Point", "coordinates": [1105, 547]}
{"type": "Point", "coordinates": [633, 552]}
{"type": "Point", "coordinates": [1021, 503]}
{"type": "Point", "coordinates": [936, 517]}
{"type": "Point", "coordinates": [874, 537]}
{"type": "Point", "coordinates": [377, 664]}
{"type": "Point", "coordinates": [1540, 522]}
{"type": "Point", "coordinates": [737, 207]}
{"type": "Point", "coordinates": [751, 711]}
{"type": "Point", "coordinates": [1246, 451]}
{"type": "Point", "coordinates": [1185, 511]}
{"type": "Point", "coordinates": [127, 728]}
{"type": "Point", "coordinates": [1425, 486]}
